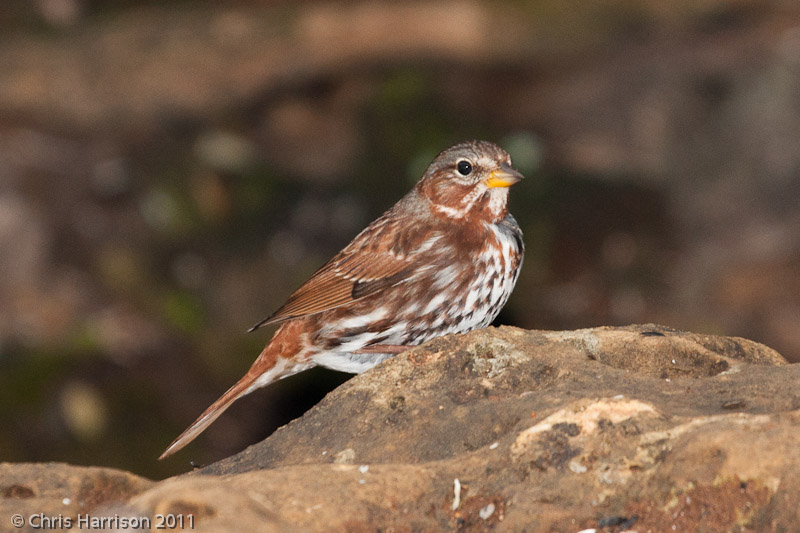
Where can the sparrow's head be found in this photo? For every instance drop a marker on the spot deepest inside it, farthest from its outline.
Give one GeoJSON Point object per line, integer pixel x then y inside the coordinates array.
{"type": "Point", "coordinates": [470, 179]}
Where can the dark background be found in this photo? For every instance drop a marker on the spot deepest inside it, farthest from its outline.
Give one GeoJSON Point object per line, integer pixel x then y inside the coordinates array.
{"type": "Point", "coordinates": [170, 173]}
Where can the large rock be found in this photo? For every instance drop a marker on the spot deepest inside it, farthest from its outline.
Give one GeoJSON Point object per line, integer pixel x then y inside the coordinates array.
{"type": "Point", "coordinates": [640, 428]}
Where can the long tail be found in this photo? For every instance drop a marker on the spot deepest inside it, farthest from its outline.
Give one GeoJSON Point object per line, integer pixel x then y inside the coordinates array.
{"type": "Point", "coordinates": [269, 367]}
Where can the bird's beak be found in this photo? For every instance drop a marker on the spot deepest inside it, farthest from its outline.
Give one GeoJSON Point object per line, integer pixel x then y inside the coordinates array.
{"type": "Point", "coordinates": [505, 176]}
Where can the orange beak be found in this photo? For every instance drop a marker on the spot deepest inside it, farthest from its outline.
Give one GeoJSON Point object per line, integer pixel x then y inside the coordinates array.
{"type": "Point", "coordinates": [505, 176]}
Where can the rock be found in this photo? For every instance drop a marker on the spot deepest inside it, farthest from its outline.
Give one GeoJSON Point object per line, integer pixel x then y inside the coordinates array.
{"type": "Point", "coordinates": [52, 495]}
{"type": "Point", "coordinates": [641, 427]}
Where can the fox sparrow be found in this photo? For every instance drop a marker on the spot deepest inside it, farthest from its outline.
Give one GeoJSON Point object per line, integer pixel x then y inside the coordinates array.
{"type": "Point", "coordinates": [443, 259]}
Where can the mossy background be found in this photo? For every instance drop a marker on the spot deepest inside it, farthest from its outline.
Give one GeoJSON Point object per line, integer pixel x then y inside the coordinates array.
{"type": "Point", "coordinates": [170, 173]}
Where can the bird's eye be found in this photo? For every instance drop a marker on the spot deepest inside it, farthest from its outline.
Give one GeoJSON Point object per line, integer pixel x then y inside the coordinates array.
{"type": "Point", "coordinates": [464, 168]}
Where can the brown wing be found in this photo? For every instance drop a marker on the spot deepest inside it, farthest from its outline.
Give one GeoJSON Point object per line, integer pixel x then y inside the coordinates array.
{"type": "Point", "coordinates": [374, 261]}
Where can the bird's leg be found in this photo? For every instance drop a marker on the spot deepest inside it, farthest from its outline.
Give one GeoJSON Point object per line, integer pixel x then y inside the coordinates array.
{"type": "Point", "coordinates": [384, 348]}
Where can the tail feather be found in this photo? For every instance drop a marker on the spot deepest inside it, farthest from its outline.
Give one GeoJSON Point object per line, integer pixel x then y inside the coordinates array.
{"type": "Point", "coordinates": [255, 378]}
{"type": "Point", "coordinates": [283, 356]}
{"type": "Point", "coordinates": [241, 388]}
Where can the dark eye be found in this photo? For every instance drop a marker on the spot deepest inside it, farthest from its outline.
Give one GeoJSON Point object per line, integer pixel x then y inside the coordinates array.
{"type": "Point", "coordinates": [464, 168]}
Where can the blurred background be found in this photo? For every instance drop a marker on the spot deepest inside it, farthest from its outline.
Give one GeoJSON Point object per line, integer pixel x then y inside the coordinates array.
{"type": "Point", "coordinates": [171, 172]}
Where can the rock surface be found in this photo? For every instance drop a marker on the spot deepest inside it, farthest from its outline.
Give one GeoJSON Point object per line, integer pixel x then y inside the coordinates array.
{"type": "Point", "coordinates": [641, 428]}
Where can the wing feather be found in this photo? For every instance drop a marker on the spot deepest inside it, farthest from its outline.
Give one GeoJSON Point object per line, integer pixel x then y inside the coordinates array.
{"type": "Point", "coordinates": [361, 269]}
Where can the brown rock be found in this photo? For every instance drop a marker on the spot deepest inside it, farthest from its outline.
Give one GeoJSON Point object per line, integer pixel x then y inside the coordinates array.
{"type": "Point", "coordinates": [50, 496]}
{"type": "Point", "coordinates": [640, 428]}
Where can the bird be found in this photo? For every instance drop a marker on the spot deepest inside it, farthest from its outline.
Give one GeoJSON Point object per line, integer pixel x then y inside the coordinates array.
{"type": "Point", "coordinates": [444, 259]}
